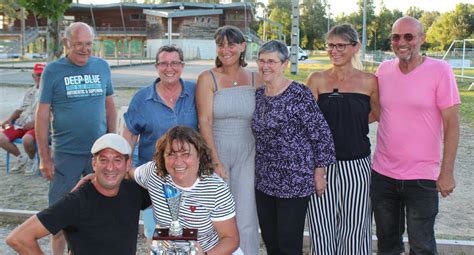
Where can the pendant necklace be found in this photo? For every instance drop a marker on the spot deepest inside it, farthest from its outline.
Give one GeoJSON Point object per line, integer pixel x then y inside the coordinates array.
{"type": "Point", "coordinates": [234, 83]}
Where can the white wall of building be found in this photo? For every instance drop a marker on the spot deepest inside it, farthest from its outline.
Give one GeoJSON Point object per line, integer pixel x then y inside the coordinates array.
{"type": "Point", "coordinates": [192, 48]}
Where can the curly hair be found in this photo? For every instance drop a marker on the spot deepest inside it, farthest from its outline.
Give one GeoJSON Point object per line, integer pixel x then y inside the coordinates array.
{"type": "Point", "coordinates": [233, 35]}
{"type": "Point", "coordinates": [183, 135]}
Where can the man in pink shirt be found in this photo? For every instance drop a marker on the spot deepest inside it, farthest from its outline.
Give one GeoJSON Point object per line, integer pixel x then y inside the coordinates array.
{"type": "Point", "coordinates": [419, 112]}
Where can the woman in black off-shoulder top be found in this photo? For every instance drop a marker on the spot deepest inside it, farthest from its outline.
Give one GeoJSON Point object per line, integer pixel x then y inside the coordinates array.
{"type": "Point", "coordinates": [340, 218]}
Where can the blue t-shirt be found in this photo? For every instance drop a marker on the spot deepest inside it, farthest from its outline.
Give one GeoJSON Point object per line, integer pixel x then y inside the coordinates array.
{"type": "Point", "coordinates": [149, 117]}
{"type": "Point", "coordinates": [77, 98]}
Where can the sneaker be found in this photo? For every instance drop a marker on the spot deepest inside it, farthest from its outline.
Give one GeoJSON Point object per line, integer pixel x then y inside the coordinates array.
{"type": "Point", "coordinates": [20, 162]}
{"type": "Point", "coordinates": [31, 168]}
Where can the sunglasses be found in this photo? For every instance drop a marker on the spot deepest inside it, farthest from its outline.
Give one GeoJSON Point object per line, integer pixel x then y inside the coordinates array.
{"type": "Point", "coordinates": [408, 37]}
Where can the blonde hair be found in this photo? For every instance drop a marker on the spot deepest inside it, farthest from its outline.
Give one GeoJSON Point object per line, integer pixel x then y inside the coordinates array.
{"type": "Point", "coordinates": [347, 32]}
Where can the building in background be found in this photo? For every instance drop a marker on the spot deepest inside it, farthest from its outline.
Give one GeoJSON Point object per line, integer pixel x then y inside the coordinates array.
{"type": "Point", "coordinates": [129, 30]}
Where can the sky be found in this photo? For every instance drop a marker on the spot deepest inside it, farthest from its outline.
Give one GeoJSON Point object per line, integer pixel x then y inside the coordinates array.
{"type": "Point", "coordinates": [349, 6]}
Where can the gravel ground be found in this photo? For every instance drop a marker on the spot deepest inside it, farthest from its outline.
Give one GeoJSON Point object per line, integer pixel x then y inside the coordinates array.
{"type": "Point", "coordinates": [455, 219]}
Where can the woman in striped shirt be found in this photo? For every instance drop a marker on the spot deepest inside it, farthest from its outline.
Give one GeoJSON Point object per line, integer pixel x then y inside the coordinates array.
{"type": "Point", "coordinates": [183, 160]}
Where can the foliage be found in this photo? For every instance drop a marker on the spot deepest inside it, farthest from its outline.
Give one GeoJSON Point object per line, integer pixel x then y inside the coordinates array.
{"type": "Point", "coordinates": [453, 25]}
{"type": "Point", "coordinates": [427, 18]}
{"type": "Point", "coordinates": [10, 9]}
{"type": "Point", "coordinates": [281, 14]}
{"type": "Point", "coordinates": [53, 10]}
{"type": "Point", "coordinates": [379, 31]}
{"type": "Point", "coordinates": [313, 25]}
{"type": "Point", "coordinates": [414, 12]}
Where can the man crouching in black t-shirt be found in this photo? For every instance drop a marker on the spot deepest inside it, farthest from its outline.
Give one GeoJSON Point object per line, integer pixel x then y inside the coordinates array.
{"type": "Point", "coordinates": [101, 217]}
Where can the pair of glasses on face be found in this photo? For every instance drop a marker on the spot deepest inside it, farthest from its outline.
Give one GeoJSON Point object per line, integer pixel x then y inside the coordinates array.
{"type": "Point", "coordinates": [270, 62]}
{"type": "Point", "coordinates": [80, 45]}
{"type": "Point", "coordinates": [338, 46]}
{"type": "Point", "coordinates": [408, 37]}
{"type": "Point", "coordinates": [173, 64]}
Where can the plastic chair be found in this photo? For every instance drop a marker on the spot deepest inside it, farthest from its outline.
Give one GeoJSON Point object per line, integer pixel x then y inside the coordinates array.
{"type": "Point", "coordinates": [7, 160]}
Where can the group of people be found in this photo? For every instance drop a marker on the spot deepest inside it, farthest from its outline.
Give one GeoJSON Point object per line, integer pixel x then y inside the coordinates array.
{"type": "Point", "coordinates": [251, 149]}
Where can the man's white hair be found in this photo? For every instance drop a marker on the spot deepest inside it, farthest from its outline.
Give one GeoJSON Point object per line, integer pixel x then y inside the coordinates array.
{"type": "Point", "coordinates": [73, 26]}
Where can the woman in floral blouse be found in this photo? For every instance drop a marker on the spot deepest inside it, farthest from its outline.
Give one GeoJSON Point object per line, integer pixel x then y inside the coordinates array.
{"type": "Point", "coordinates": [293, 147]}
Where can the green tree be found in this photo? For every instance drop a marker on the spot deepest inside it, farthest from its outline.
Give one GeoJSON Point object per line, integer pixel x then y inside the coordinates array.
{"type": "Point", "coordinates": [356, 18]}
{"type": "Point", "coordinates": [414, 12]}
{"type": "Point", "coordinates": [381, 29]}
{"type": "Point", "coordinates": [313, 19]}
{"type": "Point", "coordinates": [10, 9]}
{"type": "Point", "coordinates": [428, 18]}
{"type": "Point", "coordinates": [426, 21]}
{"type": "Point", "coordinates": [280, 12]}
{"type": "Point", "coordinates": [453, 25]}
{"type": "Point", "coordinates": [53, 10]}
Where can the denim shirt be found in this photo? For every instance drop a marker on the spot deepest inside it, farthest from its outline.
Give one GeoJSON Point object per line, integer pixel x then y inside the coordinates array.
{"type": "Point", "coordinates": [149, 117]}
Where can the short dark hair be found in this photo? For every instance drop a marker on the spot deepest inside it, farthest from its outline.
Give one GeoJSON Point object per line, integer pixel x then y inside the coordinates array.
{"type": "Point", "coordinates": [233, 35]}
{"type": "Point", "coordinates": [169, 48]}
{"type": "Point", "coordinates": [183, 135]}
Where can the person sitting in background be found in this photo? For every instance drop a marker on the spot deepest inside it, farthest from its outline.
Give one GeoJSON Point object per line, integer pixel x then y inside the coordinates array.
{"type": "Point", "coordinates": [21, 124]}
{"type": "Point", "coordinates": [100, 217]}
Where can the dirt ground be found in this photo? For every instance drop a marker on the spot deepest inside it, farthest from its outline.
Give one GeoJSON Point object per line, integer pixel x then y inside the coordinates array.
{"type": "Point", "coordinates": [455, 219]}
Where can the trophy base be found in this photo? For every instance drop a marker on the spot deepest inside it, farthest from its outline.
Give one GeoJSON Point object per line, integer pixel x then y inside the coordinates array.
{"type": "Point", "coordinates": [189, 234]}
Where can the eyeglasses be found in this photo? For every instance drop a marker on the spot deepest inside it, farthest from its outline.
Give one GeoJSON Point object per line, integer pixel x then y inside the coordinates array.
{"type": "Point", "coordinates": [80, 45]}
{"type": "Point", "coordinates": [338, 46]}
{"type": "Point", "coordinates": [408, 37]}
{"type": "Point", "coordinates": [173, 64]}
{"type": "Point", "coordinates": [269, 62]}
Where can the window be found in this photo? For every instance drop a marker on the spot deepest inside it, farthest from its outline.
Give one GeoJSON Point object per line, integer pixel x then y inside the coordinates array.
{"type": "Point", "coordinates": [137, 16]}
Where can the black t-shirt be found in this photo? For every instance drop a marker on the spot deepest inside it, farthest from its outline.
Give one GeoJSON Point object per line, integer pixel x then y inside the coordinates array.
{"type": "Point", "coordinates": [96, 224]}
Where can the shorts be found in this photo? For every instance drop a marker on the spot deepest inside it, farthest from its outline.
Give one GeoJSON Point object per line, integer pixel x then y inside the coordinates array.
{"type": "Point", "coordinates": [68, 169]}
{"type": "Point", "coordinates": [13, 133]}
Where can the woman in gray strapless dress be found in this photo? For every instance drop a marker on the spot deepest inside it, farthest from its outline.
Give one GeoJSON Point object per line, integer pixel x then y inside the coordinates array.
{"type": "Point", "coordinates": [225, 100]}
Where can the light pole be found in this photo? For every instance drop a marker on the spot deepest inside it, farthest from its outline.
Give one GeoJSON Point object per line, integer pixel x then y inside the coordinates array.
{"type": "Point", "coordinates": [364, 30]}
{"type": "Point", "coordinates": [329, 15]}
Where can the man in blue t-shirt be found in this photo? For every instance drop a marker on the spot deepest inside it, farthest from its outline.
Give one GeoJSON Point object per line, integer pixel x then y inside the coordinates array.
{"type": "Point", "coordinates": [77, 91]}
{"type": "Point", "coordinates": [100, 217]}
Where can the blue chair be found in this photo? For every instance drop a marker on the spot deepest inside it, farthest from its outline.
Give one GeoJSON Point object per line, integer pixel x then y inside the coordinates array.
{"type": "Point", "coordinates": [7, 160]}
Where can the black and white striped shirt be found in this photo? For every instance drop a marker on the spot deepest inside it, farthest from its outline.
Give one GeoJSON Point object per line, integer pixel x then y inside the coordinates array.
{"type": "Point", "coordinates": [207, 200]}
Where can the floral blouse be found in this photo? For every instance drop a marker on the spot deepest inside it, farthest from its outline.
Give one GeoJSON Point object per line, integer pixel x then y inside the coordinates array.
{"type": "Point", "coordinates": [292, 139]}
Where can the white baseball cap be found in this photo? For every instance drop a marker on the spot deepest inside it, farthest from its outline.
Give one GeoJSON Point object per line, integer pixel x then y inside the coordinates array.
{"type": "Point", "coordinates": [111, 141]}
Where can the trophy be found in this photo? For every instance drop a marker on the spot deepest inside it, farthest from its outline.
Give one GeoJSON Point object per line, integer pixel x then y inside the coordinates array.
{"type": "Point", "coordinates": [181, 240]}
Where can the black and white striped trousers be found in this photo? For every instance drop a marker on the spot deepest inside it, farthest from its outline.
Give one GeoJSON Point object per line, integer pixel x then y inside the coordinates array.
{"type": "Point", "coordinates": [340, 220]}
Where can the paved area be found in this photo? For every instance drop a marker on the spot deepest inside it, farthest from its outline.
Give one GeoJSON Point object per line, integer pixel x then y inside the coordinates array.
{"type": "Point", "coordinates": [123, 75]}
